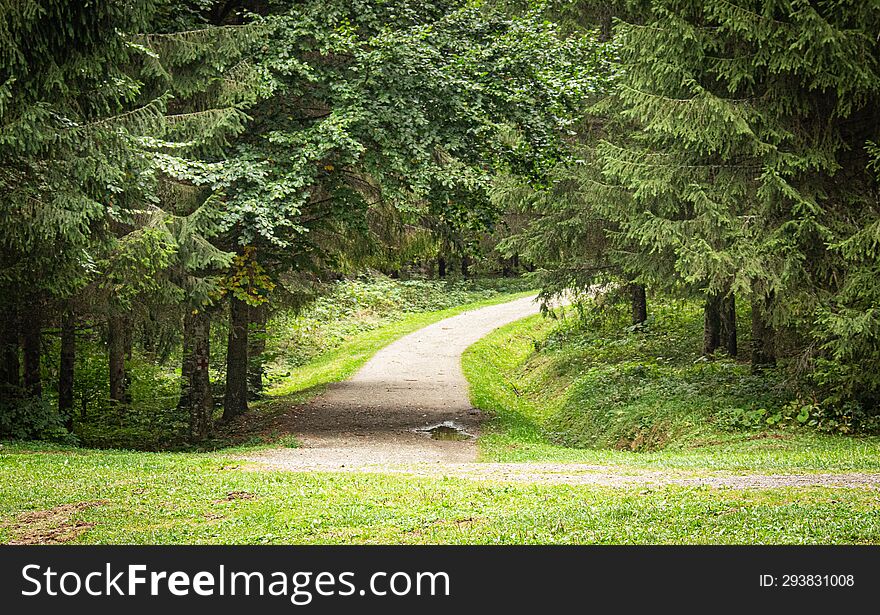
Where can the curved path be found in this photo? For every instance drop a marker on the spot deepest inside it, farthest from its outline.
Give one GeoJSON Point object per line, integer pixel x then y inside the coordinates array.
{"type": "Point", "coordinates": [375, 422]}
{"type": "Point", "coordinates": [412, 384]}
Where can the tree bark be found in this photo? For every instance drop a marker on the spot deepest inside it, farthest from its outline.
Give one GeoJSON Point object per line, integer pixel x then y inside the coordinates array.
{"type": "Point", "coordinates": [256, 348]}
{"type": "Point", "coordinates": [441, 267]}
{"type": "Point", "coordinates": [711, 324]}
{"type": "Point", "coordinates": [116, 358]}
{"type": "Point", "coordinates": [763, 335]}
{"type": "Point", "coordinates": [235, 398]}
{"type": "Point", "coordinates": [127, 340]}
{"type": "Point", "coordinates": [465, 266]}
{"type": "Point", "coordinates": [66, 366]}
{"type": "Point", "coordinates": [605, 26]}
{"type": "Point", "coordinates": [31, 334]}
{"type": "Point", "coordinates": [149, 333]}
{"type": "Point", "coordinates": [639, 300]}
{"type": "Point", "coordinates": [198, 382]}
{"type": "Point", "coordinates": [507, 267]}
{"type": "Point", "coordinates": [728, 324]}
{"type": "Point", "coordinates": [186, 362]}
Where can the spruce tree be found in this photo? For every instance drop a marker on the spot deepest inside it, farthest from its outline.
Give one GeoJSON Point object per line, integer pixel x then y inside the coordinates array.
{"type": "Point", "coordinates": [70, 168]}
{"type": "Point", "coordinates": [745, 155]}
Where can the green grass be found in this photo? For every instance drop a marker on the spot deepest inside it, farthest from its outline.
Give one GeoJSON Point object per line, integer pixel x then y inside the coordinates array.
{"type": "Point", "coordinates": [159, 498]}
{"type": "Point", "coordinates": [600, 393]}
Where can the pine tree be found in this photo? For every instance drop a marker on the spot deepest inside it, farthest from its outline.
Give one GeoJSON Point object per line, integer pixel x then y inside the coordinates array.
{"type": "Point", "coordinates": [201, 56]}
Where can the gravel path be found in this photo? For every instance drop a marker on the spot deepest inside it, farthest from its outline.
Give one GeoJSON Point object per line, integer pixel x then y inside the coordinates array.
{"type": "Point", "coordinates": [375, 422]}
{"type": "Point", "coordinates": [586, 474]}
{"type": "Point", "coordinates": [411, 384]}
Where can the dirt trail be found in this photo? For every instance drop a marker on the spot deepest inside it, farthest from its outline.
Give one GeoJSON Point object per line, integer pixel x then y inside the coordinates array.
{"type": "Point", "coordinates": [411, 384]}
{"type": "Point", "coordinates": [371, 423]}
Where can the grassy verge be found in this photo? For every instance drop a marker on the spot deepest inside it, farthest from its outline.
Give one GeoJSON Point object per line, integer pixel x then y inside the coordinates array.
{"type": "Point", "coordinates": [100, 497]}
{"type": "Point", "coordinates": [560, 391]}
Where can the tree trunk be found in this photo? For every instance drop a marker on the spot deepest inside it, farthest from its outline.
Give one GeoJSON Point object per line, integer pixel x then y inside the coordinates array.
{"type": "Point", "coordinates": [30, 343]}
{"type": "Point", "coordinates": [256, 348]}
{"type": "Point", "coordinates": [65, 366]}
{"type": "Point", "coordinates": [127, 340]}
{"type": "Point", "coordinates": [763, 336]}
{"type": "Point", "coordinates": [235, 398]}
{"type": "Point", "coordinates": [711, 324]}
{"type": "Point", "coordinates": [116, 357]}
{"type": "Point", "coordinates": [10, 367]}
{"type": "Point", "coordinates": [507, 267]}
{"type": "Point", "coordinates": [441, 267]}
{"type": "Point", "coordinates": [198, 383]}
{"type": "Point", "coordinates": [186, 361]}
{"type": "Point", "coordinates": [639, 300]}
{"type": "Point", "coordinates": [728, 324]}
{"type": "Point", "coordinates": [465, 266]}
{"type": "Point", "coordinates": [605, 26]}
{"type": "Point", "coordinates": [149, 333]}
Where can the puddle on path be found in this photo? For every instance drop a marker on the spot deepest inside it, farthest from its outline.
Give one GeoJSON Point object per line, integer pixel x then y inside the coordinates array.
{"type": "Point", "coordinates": [447, 430]}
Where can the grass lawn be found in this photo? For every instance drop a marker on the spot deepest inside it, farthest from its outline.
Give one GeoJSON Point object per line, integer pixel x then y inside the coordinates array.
{"type": "Point", "coordinates": [206, 498]}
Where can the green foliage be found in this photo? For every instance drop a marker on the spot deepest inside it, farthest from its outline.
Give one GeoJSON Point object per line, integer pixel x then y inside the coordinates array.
{"type": "Point", "coordinates": [729, 154]}
{"type": "Point", "coordinates": [400, 104]}
{"type": "Point", "coordinates": [31, 418]}
{"type": "Point", "coordinates": [69, 162]}
{"type": "Point", "coordinates": [152, 421]}
{"type": "Point", "coordinates": [649, 389]}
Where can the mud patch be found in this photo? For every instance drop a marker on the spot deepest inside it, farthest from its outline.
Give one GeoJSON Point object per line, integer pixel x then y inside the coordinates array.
{"type": "Point", "coordinates": [447, 430]}
{"type": "Point", "coordinates": [236, 495]}
{"type": "Point", "coordinates": [51, 527]}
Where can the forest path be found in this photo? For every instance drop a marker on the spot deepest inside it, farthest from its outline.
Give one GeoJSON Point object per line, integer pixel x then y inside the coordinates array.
{"type": "Point", "coordinates": [412, 384]}
{"type": "Point", "coordinates": [375, 422]}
